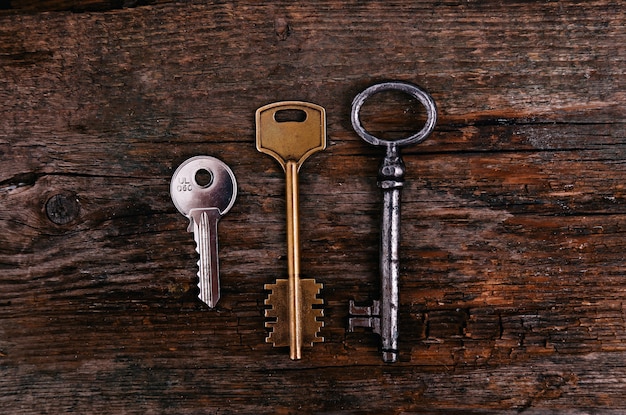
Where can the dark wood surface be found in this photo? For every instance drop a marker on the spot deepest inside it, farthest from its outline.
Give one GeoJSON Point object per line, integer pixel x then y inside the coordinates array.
{"type": "Point", "coordinates": [513, 224]}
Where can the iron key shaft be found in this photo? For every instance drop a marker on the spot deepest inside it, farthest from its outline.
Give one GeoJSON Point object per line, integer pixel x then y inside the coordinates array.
{"type": "Point", "coordinates": [391, 180]}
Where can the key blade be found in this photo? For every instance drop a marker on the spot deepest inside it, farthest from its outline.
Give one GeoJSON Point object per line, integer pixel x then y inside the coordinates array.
{"type": "Point", "coordinates": [204, 223]}
{"type": "Point", "coordinates": [290, 140]}
{"type": "Point", "coordinates": [279, 300]}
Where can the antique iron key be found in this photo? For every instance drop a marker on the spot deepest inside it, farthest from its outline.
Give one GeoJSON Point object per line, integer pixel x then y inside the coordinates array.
{"type": "Point", "coordinates": [204, 189]}
{"type": "Point", "coordinates": [290, 142]}
{"type": "Point", "coordinates": [382, 316]}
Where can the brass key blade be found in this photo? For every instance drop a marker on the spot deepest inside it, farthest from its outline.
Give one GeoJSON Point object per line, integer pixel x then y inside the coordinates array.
{"type": "Point", "coordinates": [280, 300]}
{"type": "Point", "coordinates": [293, 259]}
{"type": "Point", "coordinates": [291, 142]}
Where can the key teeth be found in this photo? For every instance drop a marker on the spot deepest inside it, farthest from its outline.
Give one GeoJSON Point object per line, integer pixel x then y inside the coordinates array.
{"type": "Point", "coordinates": [272, 311]}
{"type": "Point", "coordinates": [278, 309]}
{"type": "Point", "coordinates": [201, 221]}
{"type": "Point", "coordinates": [276, 293]}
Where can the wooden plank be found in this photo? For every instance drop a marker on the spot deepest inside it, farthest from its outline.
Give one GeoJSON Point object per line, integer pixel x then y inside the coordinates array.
{"type": "Point", "coordinates": [512, 297]}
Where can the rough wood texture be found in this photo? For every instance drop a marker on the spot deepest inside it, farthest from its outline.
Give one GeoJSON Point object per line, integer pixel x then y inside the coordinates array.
{"type": "Point", "coordinates": [512, 288]}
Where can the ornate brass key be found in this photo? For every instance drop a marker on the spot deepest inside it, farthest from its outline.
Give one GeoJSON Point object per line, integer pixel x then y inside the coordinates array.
{"type": "Point", "coordinates": [290, 142]}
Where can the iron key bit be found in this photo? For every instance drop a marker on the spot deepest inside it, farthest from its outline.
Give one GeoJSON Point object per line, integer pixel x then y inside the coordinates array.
{"type": "Point", "coordinates": [382, 316]}
{"type": "Point", "coordinates": [204, 189]}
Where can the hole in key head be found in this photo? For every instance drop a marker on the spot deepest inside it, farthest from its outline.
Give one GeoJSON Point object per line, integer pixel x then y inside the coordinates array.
{"type": "Point", "coordinates": [393, 115]}
{"type": "Point", "coordinates": [290, 115]}
{"type": "Point", "coordinates": [203, 178]}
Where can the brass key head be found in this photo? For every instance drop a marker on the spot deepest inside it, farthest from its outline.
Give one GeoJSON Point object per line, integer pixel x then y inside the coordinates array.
{"type": "Point", "coordinates": [290, 140]}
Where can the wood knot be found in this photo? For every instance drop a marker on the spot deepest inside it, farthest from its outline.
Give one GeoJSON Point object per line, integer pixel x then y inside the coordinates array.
{"type": "Point", "coordinates": [62, 208]}
{"type": "Point", "coordinates": [281, 28]}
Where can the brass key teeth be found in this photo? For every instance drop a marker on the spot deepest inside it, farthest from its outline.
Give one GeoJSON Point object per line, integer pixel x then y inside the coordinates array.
{"type": "Point", "coordinates": [279, 300]}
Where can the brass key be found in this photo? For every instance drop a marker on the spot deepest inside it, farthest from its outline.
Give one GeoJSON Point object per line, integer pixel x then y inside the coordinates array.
{"type": "Point", "coordinates": [291, 141]}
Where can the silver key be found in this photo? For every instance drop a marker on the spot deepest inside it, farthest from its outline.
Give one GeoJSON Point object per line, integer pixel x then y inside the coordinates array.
{"type": "Point", "coordinates": [382, 316]}
{"type": "Point", "coordinates": [204, 189]}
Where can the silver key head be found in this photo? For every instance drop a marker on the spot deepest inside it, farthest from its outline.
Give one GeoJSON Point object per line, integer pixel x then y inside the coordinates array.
{"type": "Point", "coordinates": [203, 182]}
{"type": "Point", "coordinates": [410, 89]}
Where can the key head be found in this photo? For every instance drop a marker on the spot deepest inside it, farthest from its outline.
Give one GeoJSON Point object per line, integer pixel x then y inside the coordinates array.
{"type": "Point", "coordinates": [410, 89]}
{"type": "Point", "coordinates": [290, 139]}
{"type": "Point", "coordinates": [203, 182]}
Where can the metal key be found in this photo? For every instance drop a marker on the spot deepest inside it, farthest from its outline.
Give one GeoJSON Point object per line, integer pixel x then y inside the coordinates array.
{"type": "Point", "coordinates": [204, 189]}
{"type": "Point", "coordinates": [382, 316]}
{"type": "Point", "coordinates": [291, 142]}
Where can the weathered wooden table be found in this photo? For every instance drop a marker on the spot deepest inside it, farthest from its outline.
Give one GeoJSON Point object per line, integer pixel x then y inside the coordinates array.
{"type": "Point", "coordinates": [513, 293]}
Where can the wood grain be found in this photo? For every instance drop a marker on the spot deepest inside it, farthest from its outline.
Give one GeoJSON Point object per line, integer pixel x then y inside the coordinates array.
{"type": "Point", "coordinates": [513, 219]}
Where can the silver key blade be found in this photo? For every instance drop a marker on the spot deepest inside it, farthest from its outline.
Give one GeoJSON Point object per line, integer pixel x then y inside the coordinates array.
{"type": "Point", "coordinates": [203, 189]}
{"type": "Point", "coordinates": [390, 272]}
{"type": "Point", "coordinates": [204, 223]}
